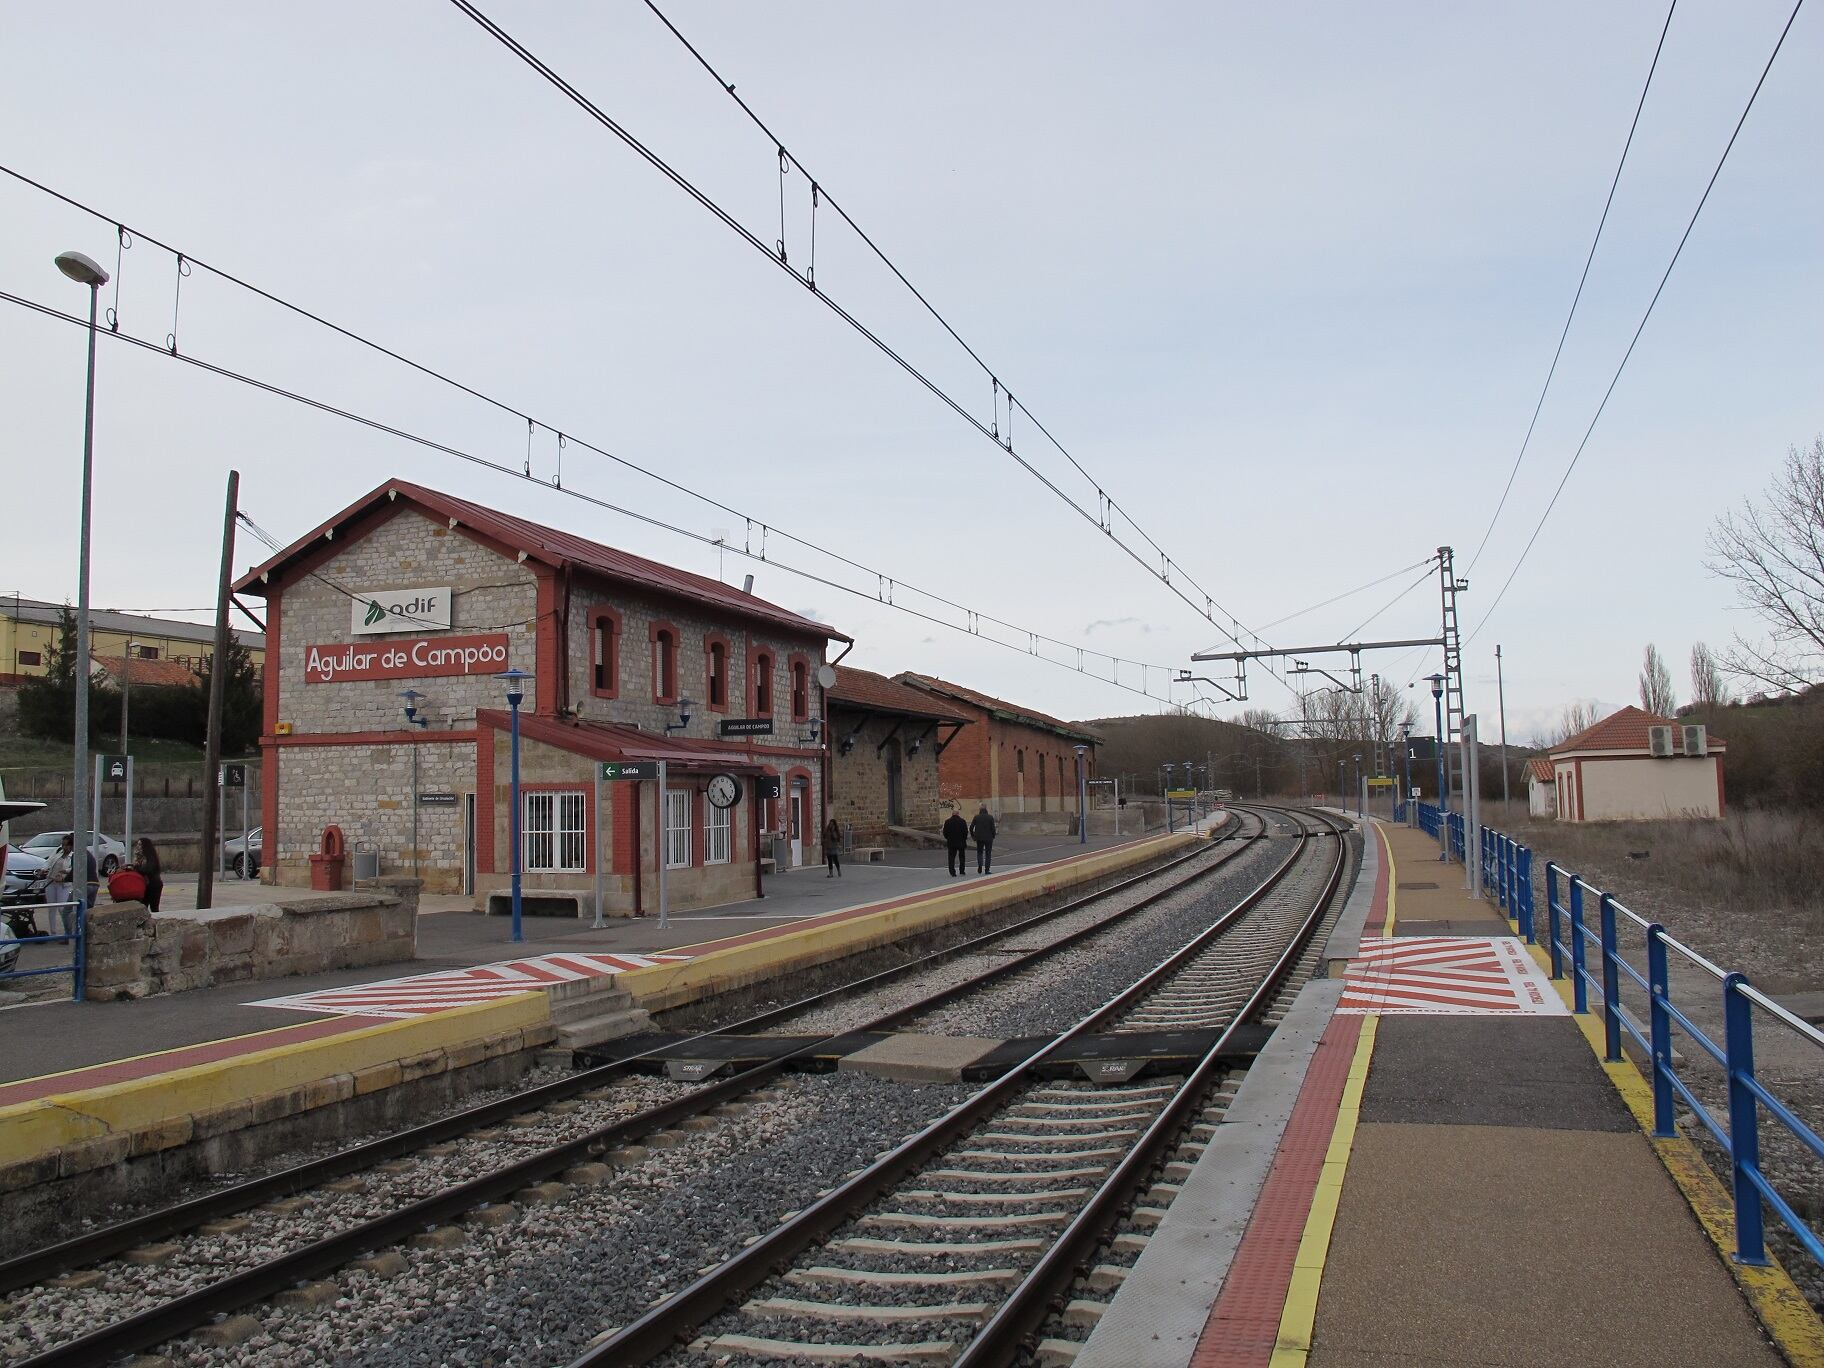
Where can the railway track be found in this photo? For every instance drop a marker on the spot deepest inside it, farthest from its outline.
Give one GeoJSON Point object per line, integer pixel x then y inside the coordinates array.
{"type": "Point", "coordinates": [956, 1246]}
{"type": "Point", "coordinates": [560, 1130]}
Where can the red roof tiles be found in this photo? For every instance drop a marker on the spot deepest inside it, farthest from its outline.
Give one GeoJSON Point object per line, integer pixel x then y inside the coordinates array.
{"type": "Point", "coordinates": [1012, 711]}
{"type": "Point", "coordinates": [876, 693]}
{"type": "Point", "coordinates": [1540, 768]}
{"type": "Point", "coordinates": [146, 673]}
{"type": "Point", "coordinates": [551, 547]}
{"type": "Point", "coordinates": [1623, 730]}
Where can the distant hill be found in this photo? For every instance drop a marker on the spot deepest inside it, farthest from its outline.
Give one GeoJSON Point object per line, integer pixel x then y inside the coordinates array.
{"type": "Point", "coordinates": [1139, 746]}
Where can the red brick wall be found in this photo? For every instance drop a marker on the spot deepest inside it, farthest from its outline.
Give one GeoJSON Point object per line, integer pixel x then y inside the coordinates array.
{"type": "Point", "coordinates": [980, 765]}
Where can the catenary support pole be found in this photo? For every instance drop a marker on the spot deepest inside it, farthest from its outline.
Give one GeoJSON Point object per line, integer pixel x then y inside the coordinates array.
{"type": "Point", "coordinates": [218, 688]}
{"type": "Point", "coordinates": [1501, 701]}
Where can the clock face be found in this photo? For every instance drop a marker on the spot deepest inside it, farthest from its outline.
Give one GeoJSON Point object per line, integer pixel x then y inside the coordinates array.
{"type": "Point", "coordinates": [724, 790]}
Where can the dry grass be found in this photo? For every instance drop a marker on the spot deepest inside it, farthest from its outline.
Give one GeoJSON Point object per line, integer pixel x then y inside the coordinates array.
{"type": "Point", "coordinates": [1748, 890]}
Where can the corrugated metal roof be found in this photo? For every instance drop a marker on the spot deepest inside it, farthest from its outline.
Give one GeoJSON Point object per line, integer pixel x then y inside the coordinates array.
{"type": "Point", "coordinates": [555, 548]}
{"type": "Point", "coordinates": [44, 612]}
{"type": "Point", "coordinates": [615, 741]}
{"type": "Point", "coordinates": [1012, 711]}
{"type": "Point", "coordinates": [876, 693]}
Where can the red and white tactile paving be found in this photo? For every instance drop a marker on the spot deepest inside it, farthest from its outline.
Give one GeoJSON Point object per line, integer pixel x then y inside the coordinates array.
{"type": "Point", "coordinates": [423, 994]}
{"type": "Point", "coordinates": [1447, 976]}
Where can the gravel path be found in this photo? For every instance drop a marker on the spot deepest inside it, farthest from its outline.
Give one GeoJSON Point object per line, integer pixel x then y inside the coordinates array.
{"type": "Point", "coordinates": [534, 1290]}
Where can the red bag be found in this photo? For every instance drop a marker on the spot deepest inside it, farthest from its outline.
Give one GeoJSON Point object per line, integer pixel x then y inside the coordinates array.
{"type": "Point", "coordinates": [127, 885]}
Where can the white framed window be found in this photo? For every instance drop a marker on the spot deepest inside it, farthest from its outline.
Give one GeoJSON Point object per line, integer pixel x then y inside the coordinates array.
{"type": "Point", "coordinates": [677, 828]}
{"type": "Point", "coordinates": [554, 832]}
{"type": "Point", "coordinates": [718, 827]}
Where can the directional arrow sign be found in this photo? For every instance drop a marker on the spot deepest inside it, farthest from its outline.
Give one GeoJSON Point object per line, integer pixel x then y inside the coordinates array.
{"type": "Point", "coordinates": [627, 769]}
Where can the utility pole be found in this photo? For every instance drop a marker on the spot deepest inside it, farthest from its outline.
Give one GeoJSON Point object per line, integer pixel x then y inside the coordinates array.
{"type": "Point", "coordinates": [218, 688]}
{"type": "Point", "coordinates": [1501, 697]}
{"type": "Point", "coordinates": [126, 690]}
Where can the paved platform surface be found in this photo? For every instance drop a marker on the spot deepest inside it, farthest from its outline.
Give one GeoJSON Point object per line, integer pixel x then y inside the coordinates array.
{"type": "Point", "coordinates": [114, 1041]}
{"type": "Point", "coordinates": [1455, 1185]}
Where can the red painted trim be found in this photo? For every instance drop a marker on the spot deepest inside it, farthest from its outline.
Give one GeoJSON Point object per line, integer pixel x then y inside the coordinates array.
{"type": "Point", "coordinates": [597, 615]}
{"type": "Point", "coordinates": [589, 819]}
{"type": "Point", "coordinates": [548, 666]}
{"type": "Point", "coordinates": [415, 737]}
{"type": "Point", "coordinates": [1577, 766]}
{"type": "Point", "coordinates": [660, 692]}
{"type": "Point", "coordinates": [269, 759]}
{"type": "Point", "coordinates": [798, 684]}
{"type": "Point", "coordinates": [699, 839]}
{"type": "Point", "coordinates": [712, 640]}
{"type": "Point", "coordinates": [754, 673]}
{"type": "Point", "coordinates": [1719, 786]}
{"type": "Point", "coordinates": [484, 802]}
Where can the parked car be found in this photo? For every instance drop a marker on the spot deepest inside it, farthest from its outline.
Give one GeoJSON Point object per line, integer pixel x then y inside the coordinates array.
{"type": "Point", "coordinates": [24, 876]}
{"type": "Point", "coordinates": [235, 853]}
{"type": "Point", "coordinates": [109, 853]}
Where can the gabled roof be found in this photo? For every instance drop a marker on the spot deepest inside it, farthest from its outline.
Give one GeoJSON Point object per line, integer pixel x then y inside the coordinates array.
{"type": "Point", "coordinates": [870, 692]}
{"type": "Point", "coordinates": [1625, 730]}
{"type": "Point", "coordinates": [1540, 768]}
{"type": "Point", "coordinates": [548, 546]}
{"type": "Point", "coordinates": [49, 614]}
{"type": "Point", "coordinates": [145, 672]}
{"type": "Point", "coordinates": [997, 707]}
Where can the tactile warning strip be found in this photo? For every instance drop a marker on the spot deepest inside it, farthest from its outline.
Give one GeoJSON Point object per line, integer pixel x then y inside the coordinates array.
{"type": "Point", "coordinates": [1244, 1323]}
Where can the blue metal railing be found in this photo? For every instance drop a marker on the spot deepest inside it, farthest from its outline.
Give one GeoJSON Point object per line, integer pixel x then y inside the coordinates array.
{"type": "Point", "coordinates": [1455, 821]}
{"type": "Point", "coordinates": [75, 937]}
{"type": "Point", "coordinates": [1430, 814]}
{"type": "Point", "coordinates": [1507, 880]}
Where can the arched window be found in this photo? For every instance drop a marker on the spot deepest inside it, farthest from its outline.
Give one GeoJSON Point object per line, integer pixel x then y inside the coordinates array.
{"type": "Point", "coordinates": [664, 663]}
{"type": "Point", "coordinates": [604, 652]}
{"type": "Point", "coordinates": [1019, 760]}
{"type": "Point", "coordinates": [717, 669]}
{"type": "Point", "coordinates": [761, 689]}
{"type": "Point", "coordinates": [801, 689]}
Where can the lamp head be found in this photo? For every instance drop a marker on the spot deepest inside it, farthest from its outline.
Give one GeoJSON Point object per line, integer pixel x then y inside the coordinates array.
{"type": "Point", "coordinates": [515, 680]}
{"type": "Point", "coordinates": [82, 269]}
{"type": "Point", "coordinates": [685, 705]}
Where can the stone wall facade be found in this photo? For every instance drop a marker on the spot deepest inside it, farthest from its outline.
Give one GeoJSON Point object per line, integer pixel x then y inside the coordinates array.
{"type": "Point", "coordinates": [131, 953]}
{"type": "Point", "coordinates": [860, 780]}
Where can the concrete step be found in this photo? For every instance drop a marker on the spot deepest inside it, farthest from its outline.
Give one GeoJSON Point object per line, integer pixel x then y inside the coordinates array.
{"type": "Point", "coordinates": [588, 994]}
{"type": "Point", "coordinates": [610, 1025]}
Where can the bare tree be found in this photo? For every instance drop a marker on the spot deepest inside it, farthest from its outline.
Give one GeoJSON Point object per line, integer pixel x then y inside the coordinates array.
{"type": "Point", "coordinates": [1773, 552]}
{"type": "Point", "coordinates": [1577, 717]}
{"type": "Point", "coordinates": [1707, 687]}
{"type": "Point", "coordinates": [1656, 694]}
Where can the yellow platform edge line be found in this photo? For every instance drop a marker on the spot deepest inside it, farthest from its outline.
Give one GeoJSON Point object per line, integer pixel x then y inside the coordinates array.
{"type": "Point", "coordinates": [1298, 1318]}
{"type": "Point", "coordinates": [1795, 1329]}
{"type": "Point", "coordinates": [1392, 882]}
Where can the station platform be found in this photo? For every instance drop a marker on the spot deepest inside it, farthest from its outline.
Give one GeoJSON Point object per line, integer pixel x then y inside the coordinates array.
{"type": "Point", "coordinates": [1430, 1164]}
{"type": "Point", "coordinates": [88, 1083]}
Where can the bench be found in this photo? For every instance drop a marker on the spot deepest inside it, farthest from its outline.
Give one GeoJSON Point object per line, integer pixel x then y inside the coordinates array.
{"type": "Point", "coordinates": [869, 854]}
{"type": "Point", "coordinates": [542, 903]}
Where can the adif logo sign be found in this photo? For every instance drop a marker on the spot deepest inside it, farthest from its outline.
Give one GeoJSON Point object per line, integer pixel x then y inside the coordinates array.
{"type": "Point", "coordinates": [400, 610]}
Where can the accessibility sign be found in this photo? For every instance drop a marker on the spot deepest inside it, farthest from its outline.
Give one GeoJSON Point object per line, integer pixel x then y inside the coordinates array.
{"type": "Point", "coordinates": [630, 769]}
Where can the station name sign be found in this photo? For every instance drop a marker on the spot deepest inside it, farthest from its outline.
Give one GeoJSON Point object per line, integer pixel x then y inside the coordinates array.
{"type": "Point", "coordinates": [424, 658]}
{"type": "Point", "coordinates": [372, 612]}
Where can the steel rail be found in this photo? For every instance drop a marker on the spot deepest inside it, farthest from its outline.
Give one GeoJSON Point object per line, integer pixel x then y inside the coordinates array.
{"type": "Point", "coordinates": [1031, 1302]}
{"type": "Point", "coordinates": [168, 1320]}
{"type": "Point", "coordinates": [660, 1326]}
{"type": "Point", "coordinates": [92, 1247]}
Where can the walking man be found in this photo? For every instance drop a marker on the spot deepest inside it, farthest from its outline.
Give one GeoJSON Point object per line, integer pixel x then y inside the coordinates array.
{"type": "Point", "coordinates": [956, 841]}
{"type": "Point", "coordinates": [982, 829]}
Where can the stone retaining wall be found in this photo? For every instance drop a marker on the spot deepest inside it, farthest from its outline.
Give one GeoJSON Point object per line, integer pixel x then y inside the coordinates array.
{"type": "Point", "coordinates": [133, 954]}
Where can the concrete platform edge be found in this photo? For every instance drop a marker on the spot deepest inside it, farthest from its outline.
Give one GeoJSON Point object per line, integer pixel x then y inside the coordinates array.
{"type": "Point", "coordinates": [1345, 941]}
{"type": "Point", "coordinates": [1157, 1317]}
{"type": "Point", "coordinates": [62, 1134]}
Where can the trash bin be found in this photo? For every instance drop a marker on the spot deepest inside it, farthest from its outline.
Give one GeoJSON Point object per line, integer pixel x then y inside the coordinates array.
{"type": "Point", "coordinates": [326, 864]}
{"type": "Point", "coordinates": [367, 860]}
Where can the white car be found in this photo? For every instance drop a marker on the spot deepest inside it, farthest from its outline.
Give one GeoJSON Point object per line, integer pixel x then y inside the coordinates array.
{"type": "Point", "coordinates": [110, 854]}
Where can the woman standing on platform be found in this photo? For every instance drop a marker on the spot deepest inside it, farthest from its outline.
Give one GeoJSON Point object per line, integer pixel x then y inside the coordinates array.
{"type": "Point", "coordinates": [832, 850]}
{"type": "Point", "coordinates": [145, 860]}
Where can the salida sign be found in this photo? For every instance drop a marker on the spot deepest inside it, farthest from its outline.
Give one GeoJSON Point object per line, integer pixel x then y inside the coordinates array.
{"type": "Point", "coordinates": [418, 659]}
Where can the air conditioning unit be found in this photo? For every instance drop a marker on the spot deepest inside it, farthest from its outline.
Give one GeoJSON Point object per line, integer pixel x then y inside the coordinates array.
{"type": "Point", "coordinates": [1659, 743]}
{"type": "Point", "coordinates": [1697, 741]}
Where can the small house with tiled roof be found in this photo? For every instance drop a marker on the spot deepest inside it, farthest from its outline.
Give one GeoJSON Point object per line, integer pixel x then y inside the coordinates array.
{"type": "Point", "coordinates": [1541, 788]}
{"type": "Point", "coordinates": [1019, 761]}
{"type": "Point", "coordinates": [1634, 766]}
{"type": "Point", "coordinates": [886, 743]}
{"type": "Point", "coordinates": [388, 626]}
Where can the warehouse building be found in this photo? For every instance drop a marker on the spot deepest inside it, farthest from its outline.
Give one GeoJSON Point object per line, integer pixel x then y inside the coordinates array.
{"type": "Point", "coordinates": [887, 742]}
{"type": "Point", "coordinates": [387, 628]}
{"type": "Point", "coordinates": [1020, 762]}
{"type": "Point", "coordinates": [29, 629]}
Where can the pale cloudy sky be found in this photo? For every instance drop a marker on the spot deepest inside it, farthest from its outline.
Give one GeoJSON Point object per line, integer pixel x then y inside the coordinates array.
{"type": "Point", "coordinates": [1286, 279]}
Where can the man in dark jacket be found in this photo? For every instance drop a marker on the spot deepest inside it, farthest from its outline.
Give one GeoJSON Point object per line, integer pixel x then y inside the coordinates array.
{"type": "Point", "coordinates": [982, 829]}
{"type": "Point", "coordinates": [956, 841]}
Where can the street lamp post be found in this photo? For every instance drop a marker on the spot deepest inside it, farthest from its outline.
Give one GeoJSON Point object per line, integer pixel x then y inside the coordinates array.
{"type": "Point", "coordinates": [515, 696]}
{"type": "Point", "coordinates": [1358, 785]}
{"type": "Point", "coordinates": [1406, 793]}
{"type": "Point", "coordinates": [84, 271]}
{"type": "Point", "coordinates": [1082, 798]}
{"type": "Point", "coordinates": [1169, 767]}
{"type": "Point", "coordinates": [1437, 703]}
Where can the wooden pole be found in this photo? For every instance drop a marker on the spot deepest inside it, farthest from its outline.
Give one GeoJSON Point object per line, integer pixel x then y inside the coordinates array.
{"type": "Point", "coordinates": [218, 688]}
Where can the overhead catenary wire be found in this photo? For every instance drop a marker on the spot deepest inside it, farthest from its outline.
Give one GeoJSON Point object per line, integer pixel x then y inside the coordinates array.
{"type": "Point", "coordinates": [1028, 647]}
{"type": "Point", "coordinates": [766, 530]}
{"type": "Point", "coordinates": [1576, 298]}
{"type": "Point", "coordinates": [1641, 327]}
{"type": "Point", "coordinates": [1203, 603]}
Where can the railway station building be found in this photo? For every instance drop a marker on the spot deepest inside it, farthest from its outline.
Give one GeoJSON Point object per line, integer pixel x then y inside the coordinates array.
{"type": "Point", "coordinates": [387, 627]}
{"type": "Point", "coordinates": [1020, 762]}
{"type": "Point", "coordinates": [1634, 766]}
{"type": "Point", "coordinates": [887, 741]}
